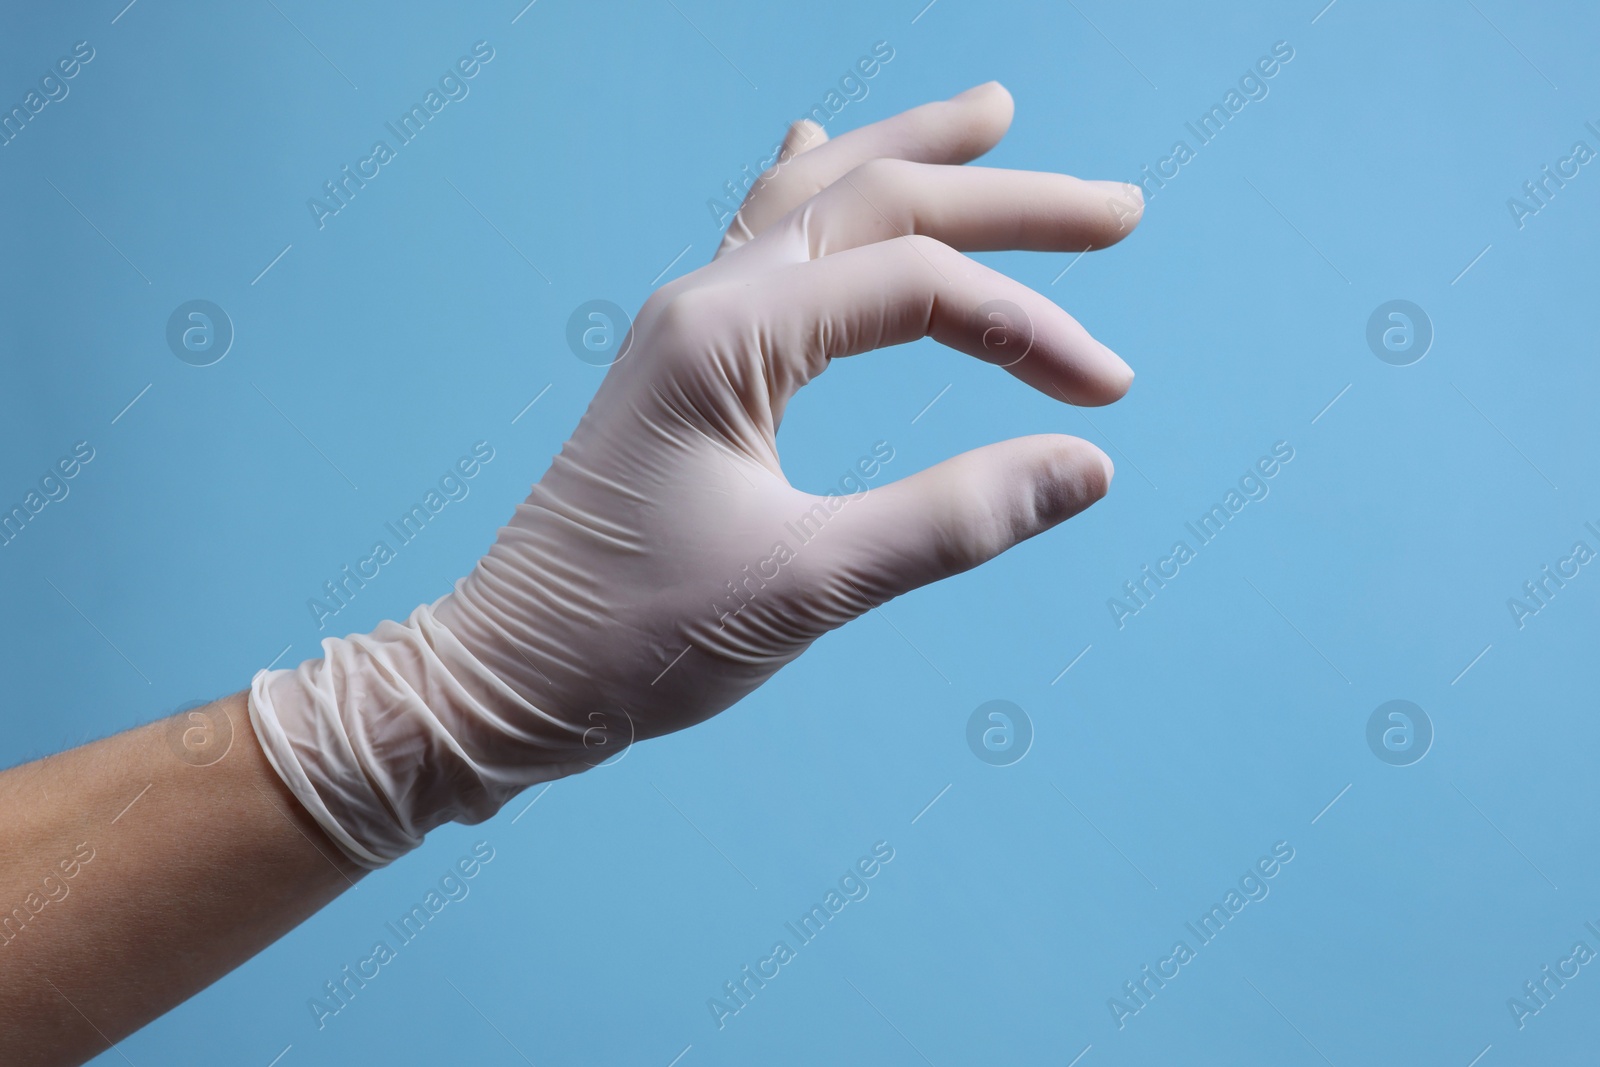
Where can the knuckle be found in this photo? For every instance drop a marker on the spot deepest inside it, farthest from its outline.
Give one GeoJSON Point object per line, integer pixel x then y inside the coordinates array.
{"type": "Point", "coordinates": [921, 252]}
{"type": "Point", "coordinates": [680, 314]}
{"type": "Point", "coordinates": [880, 174]}
{"type": "Point", "coordinates": [687, 320]}
{"type": "Point", "coordinates": [924, 245]}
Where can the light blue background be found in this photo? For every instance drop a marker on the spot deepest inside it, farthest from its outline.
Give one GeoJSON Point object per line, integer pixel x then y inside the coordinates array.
{"type": "Point", "coordinates": [1220, 720]}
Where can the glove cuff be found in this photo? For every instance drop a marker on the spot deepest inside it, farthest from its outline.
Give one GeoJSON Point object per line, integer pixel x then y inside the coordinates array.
{"type": "Point", "coordinates": [392, 733]}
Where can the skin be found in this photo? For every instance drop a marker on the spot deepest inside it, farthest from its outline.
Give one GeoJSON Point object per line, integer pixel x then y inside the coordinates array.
{"type": "Point", "coordinates": [137, 870]}
{"type": "Point", "coordinates": [225, 840]}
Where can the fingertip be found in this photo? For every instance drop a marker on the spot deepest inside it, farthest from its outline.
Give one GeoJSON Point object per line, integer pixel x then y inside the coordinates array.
{"type": "Point", "coordinates": [1119, 376]}
{"type": "Point", "coordinates": [1124, 209]}
{"type": "Point", "coordinates": [994, 102]}
{"type": "Point", "coordinates": [804, 134]}
{"type": "Point", "coordinates": [1077, 476]}
{"type": "Point", "coordinates": [994, 90]}
{"type": "Point", "coordinates": [1135, 197]}
{"type": "Point", "coordinates": [1106, 383]}
{"type": "Point", "coordinates": [1095, 467]}
{"type": "Point", "coordinates": [1122, 382]}
{"type": "Point", "coordinates": [1109, 468]}
{"type": "Point", "coordinates": [983, 89]}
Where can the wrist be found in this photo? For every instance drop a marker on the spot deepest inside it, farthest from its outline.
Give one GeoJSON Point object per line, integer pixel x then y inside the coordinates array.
{"type": "Point", "coordinates": [392, 733]}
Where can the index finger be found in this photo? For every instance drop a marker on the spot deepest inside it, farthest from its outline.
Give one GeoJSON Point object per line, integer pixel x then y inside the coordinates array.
{"type": "Point", "coordinates": [954, 131]}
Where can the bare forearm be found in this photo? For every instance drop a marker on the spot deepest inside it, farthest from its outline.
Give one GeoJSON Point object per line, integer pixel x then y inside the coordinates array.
{"type": "Point", "coordinates": [108, 853]}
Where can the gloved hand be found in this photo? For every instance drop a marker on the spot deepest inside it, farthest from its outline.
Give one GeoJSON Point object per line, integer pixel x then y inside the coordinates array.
{"type": "Point", "coordinates": [663, 567]}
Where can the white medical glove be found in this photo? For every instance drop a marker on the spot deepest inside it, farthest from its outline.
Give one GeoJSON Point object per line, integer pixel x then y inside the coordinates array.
{"type": "Point", "coordinates": [663, 567]}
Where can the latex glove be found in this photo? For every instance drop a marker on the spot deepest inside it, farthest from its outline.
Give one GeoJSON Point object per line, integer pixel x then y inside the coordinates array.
{"type": "Point", "coordinates": [618, 603]}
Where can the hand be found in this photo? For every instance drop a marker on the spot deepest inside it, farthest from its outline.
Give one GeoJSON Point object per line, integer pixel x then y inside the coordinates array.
{"type": "Point", "coordinates": [664, 567]}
